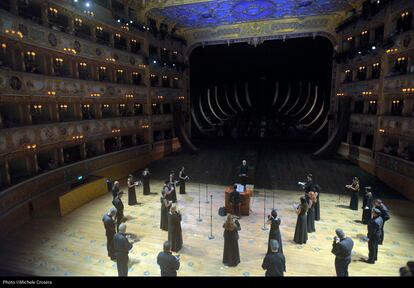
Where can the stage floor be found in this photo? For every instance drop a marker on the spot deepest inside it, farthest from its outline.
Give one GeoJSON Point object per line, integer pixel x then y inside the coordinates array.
{"type": "Point", "coordinates": [75, 245]}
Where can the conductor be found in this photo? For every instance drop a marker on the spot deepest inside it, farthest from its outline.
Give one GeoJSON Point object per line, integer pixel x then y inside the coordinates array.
{"type": "Point", "coordinates": [243, 173]}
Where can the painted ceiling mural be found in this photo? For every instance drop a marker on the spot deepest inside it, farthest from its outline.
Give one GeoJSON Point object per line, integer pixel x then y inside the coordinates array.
{"type": "Point", "coordinates": [226, 12]}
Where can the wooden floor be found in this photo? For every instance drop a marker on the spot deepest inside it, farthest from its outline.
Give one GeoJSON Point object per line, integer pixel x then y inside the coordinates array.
{"type": "Point", "coordinates": [75, 244]}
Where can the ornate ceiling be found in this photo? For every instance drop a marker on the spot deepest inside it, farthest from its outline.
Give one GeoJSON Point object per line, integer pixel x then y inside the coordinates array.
{"type": "Point", "coordinates": [201, 14]}
{"type": "Point", "coordinates": [206, 22]}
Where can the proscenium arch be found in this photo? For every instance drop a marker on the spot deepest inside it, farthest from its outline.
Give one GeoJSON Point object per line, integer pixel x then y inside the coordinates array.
{"type": "Point", "coordinates": [331, 37]}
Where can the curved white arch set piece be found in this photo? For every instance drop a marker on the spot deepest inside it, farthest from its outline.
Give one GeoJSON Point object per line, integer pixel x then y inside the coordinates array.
{"type": "Point", "coordinates": [288, 110]}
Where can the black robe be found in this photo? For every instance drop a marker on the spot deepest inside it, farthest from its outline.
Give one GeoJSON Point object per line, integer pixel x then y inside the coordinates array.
{"type": "Point", "coordinates": [354, 199]}
{"type": "Point", "coordinates": [385, 216]}
{"type": "Point", "coordinates": [115, 191]}
{"type": "Point", "coordinates": [109, 225]}
{"type": "Point", "coordinates": [274, 233]}
{"type": "Point", "coordinates": [182, 183]}
{"type": "Point", "coordinates": [146, 183]}
{"type": "Point", "coordinates": [132, 197]}
{"type": "Point", "coordinates": [311, 218]}
{"type": "Point", "coordinates": [231, 254]}
{"type": "Point", "coordinates": [317, 208]}
{"type": "Point", "coordinates": [164, 215]}
{"type": "Point", "coordinates": [366, 213]}
{"type": "Point", "coordinates": [301, 229]}
{"type": "Point", "coordinates": [175, 236]}
{"type": "Point", "coordinates": [244, 170]}
{"type": "Point", "coordinates": [117, 202]}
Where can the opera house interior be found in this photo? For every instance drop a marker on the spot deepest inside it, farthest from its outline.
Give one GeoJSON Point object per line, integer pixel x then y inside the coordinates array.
{"type": "Point", "coordinates": [206, 138]}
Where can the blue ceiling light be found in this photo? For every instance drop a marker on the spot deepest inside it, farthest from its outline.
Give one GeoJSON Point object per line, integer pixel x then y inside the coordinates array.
{"type": "Point", "coordinates": [373, 47]}
{"type": "Point", "coordinates": [119, 20]}
{"type": "Point", "coordinates": [130, 21]}
{"type": "Point", "coordinates": [87, 4]}
{"type": "Point", "coordinates": [76, 1]}
{"type": "Point", "coordinates": [226, 12]}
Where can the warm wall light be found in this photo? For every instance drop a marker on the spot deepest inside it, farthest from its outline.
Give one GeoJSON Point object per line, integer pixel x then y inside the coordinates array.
{"type": "Point", "coordinates": [340, 94]}
{"type": "Point", "coordinates": [77, 137]}
{"type": "Point", "coordinates": [154, 105]}
{"type": "Point", "coordinates": [78, 21]}
{"type": "Point", "coordinates": [181, 98]}
{"type": "Point", "coordinates": [364, 32]}
{"type": "Point", "coordinates": [86, 106]}
{"type": "Point", "coordinates": [116, 130]}
{"type": "Point", "coordinates": [142, 66]}
{"type": "Point", "coordinates": [175, 78]}
{"type": "Point", "coordinates": [51, 93]}
{"type": "Point", "coordinates": [71, 50]}
{"type": "Point", "coordinates": [129, 95]}
{"type": "Point", "coordinates": [37, 107]}
{"type": "Point", "coordinates": [381, 130]}
{"type": "Point", "coordinates": [407, 90]}
{"type": "Point", "coordinates": [89, 13]}
{"type": "Point", "coordinates": [95, 94]}
{"type": "Point", "coordinates": [366, 93]}
{"type": "Point", "coordinates": [145, 126]}
{"type": "Point", "coordinates": [14, 33]}
{"type": "Point", "coordinates": [160, 97]}
{"type": "Point", "coordinates": [164, 77]}
{"type": "Point", "coordinates": [137, 105]}
{"type": "Point", "coordinates": [404, 14]}
{"type": "Point", "coordinates": [106, 105]}
{"type": "Point", "coordinates": [103, 68]}
{"type": "Point", "coordinates": [349, 38]}
{"type": "Point", "coordinates": [63, 107]}
{"type": "Point", "coordinates": [99, 28]}
{"type": "Point", "coordinates": [117, 35]}
{"type": "Point", "coordinates": [30, 53]}
{"type": "Point", "coordinates": [30, 146]}
{"type": "Point", "coordinates": [111, 59]}
{"type": "Point", "coordinates": [388, 51]}
{"type": "Point", "coordinates": [395, 101]}
{"type": "Point", "coordinates": [82, 64]}
{"type": "Point", "coordinates": [175, 52]}
{"type": "Point", "coordinates": [122, 105]}
{"type": "Point", "coordinates": [120, 71]}
{"type": "Point", "coordinates": [135, 73]}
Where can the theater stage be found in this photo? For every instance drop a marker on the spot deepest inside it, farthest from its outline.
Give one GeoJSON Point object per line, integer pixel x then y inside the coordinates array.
{"type": "Point", "coordinates": [75, 244]}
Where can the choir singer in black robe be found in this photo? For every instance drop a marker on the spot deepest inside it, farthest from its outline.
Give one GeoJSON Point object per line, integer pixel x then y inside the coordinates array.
{"type": "Point", "coordinates": [342, 249]}
{"type": "Point", "coordinates": [175, 236]}
{"type": "Point", "coordinates": [117, 202]}
{"type": "Point", "coordinates": [182, 178]}
{"type": "Point", "coordinates": [146, 176]}
{"type": "Point", "coordinates": [374, 235]}
{"type": "Point", "coordinates": [301, 229]}
{"type": "Point", "coordinates": [132, 196]}
{"type": "Point", "coordinates": [274, 262]}
{"type": "Point", "coordinates": [165, 207]}
{"type": "Point", "coordinates": [274, 233]}
{"type": "Point", "coordinates": [235, 202]}
{"type": "Point", "coordinates": [317, 189]}
{"type": "Point", "coordinates": [168, 263]}
{"type": "Point", "coordinates": [354, 187]}
{"type": "Point", "coordinates": [231, 254]}
{"type": "Point", "coordinates": [109, 224]}
{"type": "Point", "coordinates": [367, 205]}
{"type": "Point", "coordinates": [122, 247]}
{"type": "Point", "coordinates": [311, 200]}
{"type": "Point", "coordinates": [385, 215]}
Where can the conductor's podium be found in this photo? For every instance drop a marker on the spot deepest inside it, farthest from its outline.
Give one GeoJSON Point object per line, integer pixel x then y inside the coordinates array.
{"type": "Point", "coordinates": [244, 200]}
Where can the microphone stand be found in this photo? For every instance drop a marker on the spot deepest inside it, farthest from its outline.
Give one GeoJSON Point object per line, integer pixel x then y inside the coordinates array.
{"type": "Point", "coordinates": [273, 198]}
{"type": "Point", "coordinates": [199, 200]}
{"type": "Point", "coordinates": [207, 187]}
{"type": "Point", "coordinates": [264, 228]}
{"type": "Point", "coordinates": [211, 219]}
